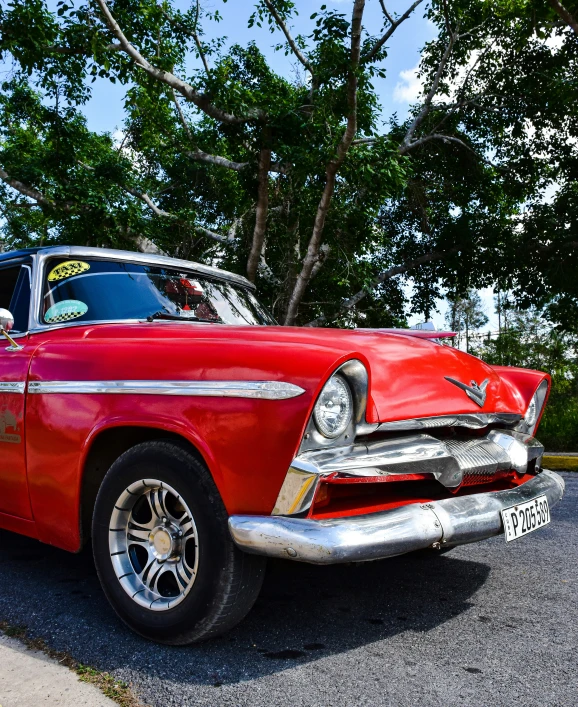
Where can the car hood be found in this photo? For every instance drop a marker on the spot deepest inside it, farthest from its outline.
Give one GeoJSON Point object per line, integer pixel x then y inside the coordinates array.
{"type": "Point", "coordinates": [413, 377]}
{"type": "Point", "coordinates": [408, 375]}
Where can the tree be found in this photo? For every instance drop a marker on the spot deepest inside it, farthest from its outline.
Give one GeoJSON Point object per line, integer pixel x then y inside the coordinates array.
{"type": "Point", "coordinates": [553, 13]}
{"type": "Point", "coordinates": [466, 314]}
{"type": "Point", "coordinates": [295, 181]}
{"type": "Point", "coordinates": [530, 341]}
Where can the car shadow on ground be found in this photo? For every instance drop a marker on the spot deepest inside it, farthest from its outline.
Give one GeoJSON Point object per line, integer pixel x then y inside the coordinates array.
{"type": "Point", "coordinates": [304, 612]}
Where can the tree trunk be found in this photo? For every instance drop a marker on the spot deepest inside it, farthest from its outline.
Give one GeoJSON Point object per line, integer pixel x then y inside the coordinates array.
{"type": "Point", "coordinates": [260, 214]}
{"type": "Point", "coordinates": [313, 248]}
{"type": "Point", "coordinates": [312, 255]}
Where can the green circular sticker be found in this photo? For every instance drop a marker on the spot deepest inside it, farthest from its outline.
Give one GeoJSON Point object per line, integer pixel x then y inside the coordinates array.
{"type": "Point", "coordinates": [65, 310]}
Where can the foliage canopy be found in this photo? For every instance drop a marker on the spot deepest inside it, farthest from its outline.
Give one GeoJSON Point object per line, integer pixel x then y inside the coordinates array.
{"type": "Point", "coordinates": [295, 180]}
{"type": "Point", "coordinates": [529, 341]}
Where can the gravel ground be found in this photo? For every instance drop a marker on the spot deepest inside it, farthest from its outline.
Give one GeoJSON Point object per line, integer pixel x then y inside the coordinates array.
{"type": "Point", "coordinates": [484, 624]}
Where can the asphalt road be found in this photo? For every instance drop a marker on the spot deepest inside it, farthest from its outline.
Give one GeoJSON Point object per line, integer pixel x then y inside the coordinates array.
{"type": "Point", "coordinates": [486, 624]}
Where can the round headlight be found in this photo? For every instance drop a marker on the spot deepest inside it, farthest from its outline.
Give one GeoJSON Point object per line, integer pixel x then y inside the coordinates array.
{"type": "Point", "coordinates": [334, 408]}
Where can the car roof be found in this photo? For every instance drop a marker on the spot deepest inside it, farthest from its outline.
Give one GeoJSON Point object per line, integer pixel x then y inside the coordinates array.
{"type": "Point", "coordinates": [12, 254]}
{"type": "Point", "coordinates": [128, 256]}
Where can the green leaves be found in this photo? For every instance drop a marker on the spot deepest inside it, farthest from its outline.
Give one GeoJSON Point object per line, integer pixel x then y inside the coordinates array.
{"type": "Point", "coordinates": [500, 132]}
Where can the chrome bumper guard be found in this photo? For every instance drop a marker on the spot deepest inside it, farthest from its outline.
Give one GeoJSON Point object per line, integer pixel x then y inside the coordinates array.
{"type": "Point", "coordinates": [452, 521]}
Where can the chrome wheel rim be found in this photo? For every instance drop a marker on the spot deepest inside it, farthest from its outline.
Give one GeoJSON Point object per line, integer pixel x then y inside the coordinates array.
{"type": "Point", "coordinates": [153, 544]}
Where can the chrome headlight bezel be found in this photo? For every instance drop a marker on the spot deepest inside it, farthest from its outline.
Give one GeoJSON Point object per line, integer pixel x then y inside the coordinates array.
{"type": "Point", "coordinates": [529, 422]}
{"type": "Point", "coordinates": [355, 375]}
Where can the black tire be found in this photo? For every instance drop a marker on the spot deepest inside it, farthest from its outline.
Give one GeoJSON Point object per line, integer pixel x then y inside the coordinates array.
{"type": "Point", "coordinates": [227, 581]}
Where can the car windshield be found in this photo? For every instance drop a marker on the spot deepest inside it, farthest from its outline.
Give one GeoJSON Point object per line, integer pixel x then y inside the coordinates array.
{"type": "Point", "coordinates": [100, 290]}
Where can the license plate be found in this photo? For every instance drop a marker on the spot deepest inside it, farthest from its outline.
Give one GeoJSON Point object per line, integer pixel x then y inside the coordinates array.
{"type": "Point", "coordinates": [525, 518]}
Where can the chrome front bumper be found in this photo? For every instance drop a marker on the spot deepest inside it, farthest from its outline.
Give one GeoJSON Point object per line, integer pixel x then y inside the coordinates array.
{"type": "Point", "coordinates": [452, 521]}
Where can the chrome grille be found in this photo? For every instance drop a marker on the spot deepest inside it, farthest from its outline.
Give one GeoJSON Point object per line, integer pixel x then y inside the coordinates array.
{"type": "Point", "coordinates": [478, 464]}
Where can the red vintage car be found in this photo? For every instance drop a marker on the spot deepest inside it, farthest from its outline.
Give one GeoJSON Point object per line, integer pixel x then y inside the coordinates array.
{"type": "Point", "coordinates": [153, 405]}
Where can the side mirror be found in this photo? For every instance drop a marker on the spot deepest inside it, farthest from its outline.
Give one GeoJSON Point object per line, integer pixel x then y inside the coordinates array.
{"type": "Point", "coordinates": [6, 325]}
{"type": "Point", "coordinates": [6, 320]}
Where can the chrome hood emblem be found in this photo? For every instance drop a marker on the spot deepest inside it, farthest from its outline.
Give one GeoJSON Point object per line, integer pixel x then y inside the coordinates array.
{"type": "Point", "coordinates": [474, 391]}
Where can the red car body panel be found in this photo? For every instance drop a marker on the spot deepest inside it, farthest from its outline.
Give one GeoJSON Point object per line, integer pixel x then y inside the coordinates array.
{"type": "Point", "coordinates": [248, 444]}
{"type": "Point", "coordinates": [14, 499]}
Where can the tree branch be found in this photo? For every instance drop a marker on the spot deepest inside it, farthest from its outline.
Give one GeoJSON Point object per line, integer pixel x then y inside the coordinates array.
{"type": "Point", "coordinates": [185, 89]}
{"type": "Point", "coordinates": [420, 117]}
{"type": "Point", "coordinates": [367, 140]}
{"type": "Point", "coordinates": [385, 12]}
{"type": "Point", "coordinates": [403, 149]}
{"type": "Point", "coordinates": [324, 251]}
{"type": "Point", "coordinates": [354, 300]}
{"type": "Point", "coordinates": [191, 33]}
{"type": "Point", "coordinates": [312, 255]}
{"type": "Point", "coordinates": [450, 138]}
{"type": "Point", "coordinates": [82, 51]}
{"type": "Point", "coordinates": [390, 30]}
{"type": "Point", "coordinates": [30, 192]}
{"type": "Point", "coordinates": [201, 156]}
{"type": "Point", "coordinates": [232, 232]}
{"type": "Point", "coordinates": [41, 200]}
{"type": "Point", "coordinates": [283, 27]}
{"type": "Point", "coordinates": [145, 198]}
{"type": "Point", "coordinates": [182, 115]}
{"type": "Point", "coordinates": [201, 230]}
{"type": "Point", "coordinates": [145, 245]}
{"type": "Point", "coordinates": [216, 159]}
{"type": "Point", "coordinates": [568, 18]}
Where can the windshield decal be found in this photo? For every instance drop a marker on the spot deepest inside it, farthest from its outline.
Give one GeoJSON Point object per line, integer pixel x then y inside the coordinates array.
{"type": "Point", "coordinates": [65, 310]}
{"type": "Point", "coordinates": [67, 269]}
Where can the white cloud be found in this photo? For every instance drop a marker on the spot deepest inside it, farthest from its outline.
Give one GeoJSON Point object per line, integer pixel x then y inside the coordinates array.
{"type": "Point", "coordinates": [409, 89]}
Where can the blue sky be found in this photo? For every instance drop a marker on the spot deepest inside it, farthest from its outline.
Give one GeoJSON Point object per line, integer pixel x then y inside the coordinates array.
{"type": "Point", "coordinates": [104, 111]}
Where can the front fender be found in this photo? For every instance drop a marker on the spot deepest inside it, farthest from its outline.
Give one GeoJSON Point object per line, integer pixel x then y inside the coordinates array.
{"type": "Point", "coordinates": [248, 444]}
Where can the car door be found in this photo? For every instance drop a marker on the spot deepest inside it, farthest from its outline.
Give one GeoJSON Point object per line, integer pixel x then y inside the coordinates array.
{"type": "Point", "coordinates": [15, 282]}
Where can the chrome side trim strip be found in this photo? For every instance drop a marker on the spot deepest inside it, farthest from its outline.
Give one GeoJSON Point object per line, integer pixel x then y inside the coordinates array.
{"type": "Point", "coordinates": [265, 390]}
{"type": "Point", "coordinates": [453, 521]}
{"type": "Point", "coordinates": [16, 387]}
{"type": "Point", "coordinates": [447, 461]}
{"type": "Point", "coordinates": [474, 421]}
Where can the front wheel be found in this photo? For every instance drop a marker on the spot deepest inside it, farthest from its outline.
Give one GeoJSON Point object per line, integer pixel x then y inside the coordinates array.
{"type": "Point", "coordinates": [162, 549]}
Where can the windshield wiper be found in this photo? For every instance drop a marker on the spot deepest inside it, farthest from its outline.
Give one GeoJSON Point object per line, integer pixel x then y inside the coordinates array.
{"type": "Point", "coordinates": [179, 318]}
